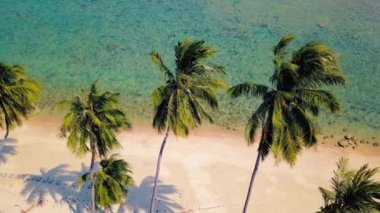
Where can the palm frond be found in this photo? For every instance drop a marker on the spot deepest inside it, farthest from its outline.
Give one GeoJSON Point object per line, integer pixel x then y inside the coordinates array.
{"type": "Point", "coordinates": [248, 88]}
{"type": "Point", "coordinates": [255, 121]}
{"type": "Point", "coordinates": [83, 179]}
{"type": "Point", "coordinates": [279, 49]}
{"type": "Point", "coordinates": [189, 53]}
{"type": "Point", "coordinates": [178, 102]}
{"type": "Point", "coordinates": [156, 58]}
{"type": "Point", "coordinates": [110, 182]}
{"type": "Point", "coordinates": [353, 190]}
{"type": "Point", "coordinates": [206, 94]}
{"type": "Point", "coordinates": [318, 98]}
{"type": "Point", "coordinates": [318, 65]}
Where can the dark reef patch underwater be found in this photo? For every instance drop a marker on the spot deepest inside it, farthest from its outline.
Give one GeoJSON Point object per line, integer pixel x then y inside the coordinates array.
{"type": "Point", "coordinates": [67, 45]}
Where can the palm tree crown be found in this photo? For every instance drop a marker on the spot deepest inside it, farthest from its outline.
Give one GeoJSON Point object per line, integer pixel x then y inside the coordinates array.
{"type": "Point", "coordinates": [178, 102]}
{"type": "Point", "coordinates": [18, 96]}
{"type": "Point", "coordinates": [110, 182]}
{"type": "Point", "coordinates": [92, 121]}
{"type": "Point", "coordinates": [288, 108]}
{"type": "Point", "coordinates": [353, 191]}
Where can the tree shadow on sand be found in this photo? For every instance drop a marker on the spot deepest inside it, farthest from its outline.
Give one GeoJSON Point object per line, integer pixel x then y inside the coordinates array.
{"type": "Point", "coordinates": [139, 197]}
{"type": "Point", "coordinates": [59, 184]}
{"type": "Point", "coordinates": [7, 147]}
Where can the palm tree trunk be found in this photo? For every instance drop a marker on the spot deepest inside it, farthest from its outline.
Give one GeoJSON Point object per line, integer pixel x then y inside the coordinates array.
{"type": "Point", "coordinates": [92, 193]}
{"type": "Point", "coordinates": [152, 202]}
{"type": "Point", "coordinates": [92, 176]}
{"type": "Point", "coordinates": [257, 164]}
{"type": "Point", "coordinates": [6, 119]}
{"type": "Point", "coordinates": [7, 129]}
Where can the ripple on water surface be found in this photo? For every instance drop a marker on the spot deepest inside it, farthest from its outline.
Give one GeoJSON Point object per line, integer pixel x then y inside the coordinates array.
{"type": "Point", "coordinates": [69, 44]}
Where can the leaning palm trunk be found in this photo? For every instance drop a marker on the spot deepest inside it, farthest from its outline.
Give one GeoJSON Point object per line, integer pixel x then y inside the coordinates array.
{"type": "Point", "coordinates": [153, 202]}
{"type": "Point", "coordinates": [6, 120]}
{"type": "Point", "coordinates": [255, 170]}
{"type": "Point", "coordinates": [92, 177]}
{"type": "Point", "coordinates": [92, 192]}
{"type": "Point", "coordinates": [254, 173]}
{"type": "Point", "coordinates": [7, 131]}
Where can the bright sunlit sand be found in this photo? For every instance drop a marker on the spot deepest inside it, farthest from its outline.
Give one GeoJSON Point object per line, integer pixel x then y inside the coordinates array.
{"type": "Point", "coordinates": [206, 172]}
{"type": "Point", "coordinates": [65, 46]}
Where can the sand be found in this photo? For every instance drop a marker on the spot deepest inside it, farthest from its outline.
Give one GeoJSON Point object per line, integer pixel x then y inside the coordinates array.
{"type": "Point", "coordinates": [206, 172]}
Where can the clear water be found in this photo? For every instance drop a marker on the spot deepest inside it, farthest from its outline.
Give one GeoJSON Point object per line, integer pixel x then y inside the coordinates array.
{"type": "Point", "coordinates": [69, 44]}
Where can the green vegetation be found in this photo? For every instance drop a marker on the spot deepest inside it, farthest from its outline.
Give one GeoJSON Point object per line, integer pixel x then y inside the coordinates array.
{"type": "Point", "coordinates": [353, 190]}
{"type": "Point", "coordinates": [18, 96]}
{"type": "Point", "coordinates": [179, 101]}
{"type": "Point", "coordinates": [91, 124]}
{"type": "Point", "coordinates": [286, 114]}
{"type": "Point", "coordinates": [285, 121]}
{"type": "Point", "coordinates": [109, 182]}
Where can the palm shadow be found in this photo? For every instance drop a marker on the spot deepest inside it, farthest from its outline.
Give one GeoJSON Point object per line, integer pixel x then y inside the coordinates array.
{"type": "Point", "coordinates": [7, 147]}
{"type": "Point", "coordinates": [138, 199]}
{"type": "Point", "coordinates": [59, 184]}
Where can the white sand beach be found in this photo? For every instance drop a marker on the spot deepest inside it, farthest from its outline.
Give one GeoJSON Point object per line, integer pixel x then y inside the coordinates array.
{"type": "Point", "coordinates": [207, 172]}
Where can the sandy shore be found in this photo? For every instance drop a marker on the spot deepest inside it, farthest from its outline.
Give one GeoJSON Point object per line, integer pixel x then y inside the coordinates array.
{"type": "Point", "coordinates": [206, 172]}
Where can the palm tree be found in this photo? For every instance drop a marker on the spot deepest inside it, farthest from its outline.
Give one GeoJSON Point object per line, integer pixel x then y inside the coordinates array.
{"type": "Point", "coordinates": [286, 114]}
{"type": "Point", "coordinates": [353, 191]}
{"type": "Point", "coordinates": [18, 96]}
{"type": "Point", "coordinates": [109, 182]}
{"type": "Point", "coordinates": [91, 123]}
{"type": "Point", "coordinates": [179, 101]}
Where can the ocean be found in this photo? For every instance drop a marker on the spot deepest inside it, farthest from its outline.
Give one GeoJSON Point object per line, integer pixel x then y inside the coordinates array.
{"type": "Point", "coordinates": [67, 45]}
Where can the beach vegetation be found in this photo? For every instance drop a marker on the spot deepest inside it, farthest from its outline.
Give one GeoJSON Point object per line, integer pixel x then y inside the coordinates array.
{"type": "Point", "coordinates": [109, 182]}
{"type": "Point", "coordinates": [286, 115]}
{"type": "Point", "coordinates": [180, 102]}
{"type": "Point", "coordinates": [352, 190]}
{"type": "Point", "coordinates": [91, 124]}
{"type": "Point", "coordinates": [18, 96]}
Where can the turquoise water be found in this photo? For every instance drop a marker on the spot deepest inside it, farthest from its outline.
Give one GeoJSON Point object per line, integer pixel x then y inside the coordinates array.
{"type": "Point", "coordinates": [69, 44]}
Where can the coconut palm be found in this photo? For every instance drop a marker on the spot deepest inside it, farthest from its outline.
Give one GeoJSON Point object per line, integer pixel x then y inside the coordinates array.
{"type": "Point", "coordinates": [179, 102]}
{"type": "Point", "coordinates": [18, 96]}
{"type": "Point", "coordinates": [109, 182]}
{"type": "Point", "coordinates": [353, 191]}
{"type": "Point", "coordinates": [286, 114]}
{"type": "Point", "coordinates": [91, 123]}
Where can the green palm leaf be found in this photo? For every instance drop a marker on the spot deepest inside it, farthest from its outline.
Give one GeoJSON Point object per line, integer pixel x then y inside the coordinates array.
{"type": "Point", "coordinates": [353, 190]}
{"type": "Point", "coordinates": [93, 118]}
{"type": "Point", "coordinates": [18, 95]}
{"type": "Point", "coordinates": [110, 182]}
{"type": "Point", "coordinates": [248, 88]}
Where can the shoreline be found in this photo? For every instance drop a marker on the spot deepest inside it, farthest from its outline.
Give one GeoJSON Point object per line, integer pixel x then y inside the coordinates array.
{"type": "Point", "coordinates": [196, 171]}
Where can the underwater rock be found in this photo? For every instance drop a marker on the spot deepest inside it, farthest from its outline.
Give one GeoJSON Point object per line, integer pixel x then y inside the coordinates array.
{"type": "Point", "coordinates": [320, 25]}
{"type": "Point", "coordinates": [343, 143]}
{"type": "Point", "coordinates": [112, 47]}
{"type": "Point", "coordinates": [375, 144]}
{"type": "Point", "coordinates": [24, 16]}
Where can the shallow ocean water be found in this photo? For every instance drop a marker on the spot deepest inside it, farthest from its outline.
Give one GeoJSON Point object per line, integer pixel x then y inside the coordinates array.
{"type": "Point", "coordinates": [69, 44]}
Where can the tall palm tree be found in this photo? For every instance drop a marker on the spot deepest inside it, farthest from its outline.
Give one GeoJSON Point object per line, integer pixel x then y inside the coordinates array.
{"type": "Point", "coordinates": [286, 114]}
{"type": "Point", "coordinates": [18, 96]}
{"type": "Point", "coordinates": [91, 123]}
{"type": "Point", "coordinates": [109, 182]}
{"type": "Point", "coordinates": [179, 101]}
{"type": "Point", "coordinates": [353, 191]}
